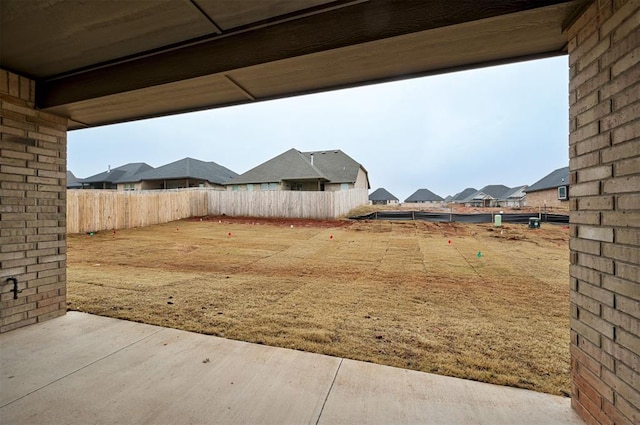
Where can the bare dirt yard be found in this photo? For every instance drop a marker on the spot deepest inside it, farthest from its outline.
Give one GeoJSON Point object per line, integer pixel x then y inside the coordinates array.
{"type": "Point", "coordinates": [471, 301]}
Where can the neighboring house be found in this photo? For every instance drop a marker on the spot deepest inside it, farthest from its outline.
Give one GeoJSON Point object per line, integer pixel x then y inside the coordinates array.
{"type": "Point", "coordinates": [73, 182]}
{"type": "Point", "coordinates": [550, 191]}
{"type": "Point", "coordinates": [424, 196]}
{"type": "Point", "coordinates": [459, 197]}
{"type": "Point", "coordinates": [382, 197]}
{"type": "Point", "coordinates": [448, 199]}
{"type": "Point", "coordinates": [184, 173]}
{"type": "Point", "coordinates": [514, 198]}
{"type": "Point", "coordinates": [108, 179]}
{"type": "Point", "coordinates": [488, 196]}
{"type": "Point", "coordinates": [309, 171]}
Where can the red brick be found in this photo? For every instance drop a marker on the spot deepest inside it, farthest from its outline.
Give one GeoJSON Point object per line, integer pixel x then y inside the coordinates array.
{"type": "Point", "coordinates": [630, 9]}
{"type": "Point", "coordinates": [595, 233]}
{"type": "Point", "coordinates": [583, 245]}
{"type": "Point", "coordinates": [620, 151]}
{"type": "Point", "coordinates": [620, 117]}
{"type": "Point", "coordinates": [585, 217]}
{"type": "Point", "coordinates": [630, 307]}
{"type": "Point", "coordinates": [595, 203]}
{"type": "Point", "coordinates": [627, 411]}
{"type": "Point", "coordinates": [629, 254]}
{"type": "Point", "coordinates": [585, 103]}
{"type": "Point", "coordinates": [588, 160]}
{"type": "Point", "coordinates": [595, 173]}
{"type": "Point", "coordinates": [594, 53]}
{"type": "Point", "coordinates": [606, 359]}
{"type": "Point", "coordinates": [584, 413]}
{"type": "Point", "coordinates": [585, 189]}
{"type": "Point", "coordinates": [628, 272]}
{"type": "Point", "coordinates": [620, 218]}
{"type": "Point", "coordinates": [615, 414]}
{"type": "Point", "coordinates": [622, 14]}
{"type": "Point", "coordinates": [585, 331]}
{"type": "Point", "coordinates": [585, 132]}
{"type": "Point", "coordinates": [618, 84]}
{"type": "Point", "coordinates": [621, 387]}
{"type": "Point", "coordinates": [627, 97]}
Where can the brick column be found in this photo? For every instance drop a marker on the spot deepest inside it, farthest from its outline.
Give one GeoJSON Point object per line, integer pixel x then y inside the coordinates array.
{"type": "Point", "coordinates": [33, 162]}
{"type": "Point", "coordinates": [604, 151]}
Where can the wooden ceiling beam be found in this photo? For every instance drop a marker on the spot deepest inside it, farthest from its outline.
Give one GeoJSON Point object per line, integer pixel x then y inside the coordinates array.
{"type": "Point", "coordinates": [337, 28]}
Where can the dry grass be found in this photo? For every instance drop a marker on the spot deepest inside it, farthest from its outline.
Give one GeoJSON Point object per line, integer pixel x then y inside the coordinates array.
{"type": "Point", "coordinates": [394, 293]}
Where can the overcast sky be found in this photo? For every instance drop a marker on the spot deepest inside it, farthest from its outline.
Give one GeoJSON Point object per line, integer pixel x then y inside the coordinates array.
{"type": "Point", "coordinates": [500, 125]}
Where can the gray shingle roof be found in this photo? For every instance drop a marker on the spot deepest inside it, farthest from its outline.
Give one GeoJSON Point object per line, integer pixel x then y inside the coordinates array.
{"type": "Point", "coordinates": [123, 172]}
{"type": "Point", "coordinates": [494, 191]}
{"type": "Point", "coordinates": [332, 166]}
{"type": "Point", "coordinates": [424, 195]}
{"type": "Point", "coordinates": [382, 194]}
{"type": "Point", "coordinates": [557, 178]}
{"type": "Point", "coordinates": [514, 192]}
{"type": "Point", "coordinates": [72, 181]}
{"type": "Point", "coordinates": [458, 197]}
{"type": "Point", "coordinates": [186, 168]}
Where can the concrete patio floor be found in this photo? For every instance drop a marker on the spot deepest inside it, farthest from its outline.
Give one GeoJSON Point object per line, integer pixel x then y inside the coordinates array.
{"type": "Point", "coordinates": [80, 369]}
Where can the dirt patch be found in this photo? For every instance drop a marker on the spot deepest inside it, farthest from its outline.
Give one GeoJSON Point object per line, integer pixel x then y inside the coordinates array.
{"type": "Point", "coordinates": [472, 301]}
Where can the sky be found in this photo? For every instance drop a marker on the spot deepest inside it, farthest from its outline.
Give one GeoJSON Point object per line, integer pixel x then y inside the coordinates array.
{"type": "Point", "coordinates": [497, 125]}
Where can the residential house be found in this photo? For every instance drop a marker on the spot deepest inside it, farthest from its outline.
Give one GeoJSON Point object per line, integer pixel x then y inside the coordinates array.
{"type": "Point", "coordinates": [184, 173]}
{"type": "Point", "coordinates": [108, 179]}
{"type": "Point", "coordinates": [73, 182]}
{"type": "Point", "coordinates": [382, 197]}
{"type": "Point", "coordinates": [459, 197]}
{"type": "Point", "coordinates": [488, 196]}
{"type": "Point", "coordinates": [424, 196]}
{"type": "Point", "coordinates": [514, 198]}
{"type": "Point", "coordinates": [309, 171]}
{"type": "Point", "coordinates": [550, 191]}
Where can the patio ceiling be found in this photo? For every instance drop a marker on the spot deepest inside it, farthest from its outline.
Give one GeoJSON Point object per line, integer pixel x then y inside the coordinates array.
{"type": "Point", "coordinates": [106, 62]}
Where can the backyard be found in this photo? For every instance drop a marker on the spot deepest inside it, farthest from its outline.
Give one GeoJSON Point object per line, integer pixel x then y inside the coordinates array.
{"type": "Point", "coordinates": [466, 300]}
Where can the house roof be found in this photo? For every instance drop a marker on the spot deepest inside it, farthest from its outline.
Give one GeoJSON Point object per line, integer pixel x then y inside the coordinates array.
{"type": "Point", "coordinates": [186, 168]}
{"type": "Point", "coordinates": [72, 181]}
{"type": "Point", "coordinates": [423, 195]}
{"type": "Point", "coordinates": [556, 178]}
{"type": "Point", "coordinates": [458, 197]}
{"type": "Point", "coordinates": [124, 172]}
{"type": "Point", "coordinates": [331, 166]}
{"type": "Point", "coordinates": [515, 192]}
{"type": "Point", "coordinates": [494, 191]}
{"type": "Point", "coordinates": [336, 165]}
{"type": "Point", "coordinates": [382, 194]}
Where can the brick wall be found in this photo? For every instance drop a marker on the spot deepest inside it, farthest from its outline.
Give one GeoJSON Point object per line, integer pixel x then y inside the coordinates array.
{"type": "Point", "coordinates": [547, 197]}
{"type": "Point", "coordinates": [604, 150]}
{"type": "Point", "coordinates": [32, 206]}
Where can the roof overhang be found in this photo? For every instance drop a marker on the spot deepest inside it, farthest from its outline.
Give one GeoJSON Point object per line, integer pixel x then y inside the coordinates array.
{"type": "Point", "coordinates": [105, 62]}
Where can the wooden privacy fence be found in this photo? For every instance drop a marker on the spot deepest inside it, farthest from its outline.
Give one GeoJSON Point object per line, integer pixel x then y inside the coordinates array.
{"type": "Point", "coordinates": [95, 210]}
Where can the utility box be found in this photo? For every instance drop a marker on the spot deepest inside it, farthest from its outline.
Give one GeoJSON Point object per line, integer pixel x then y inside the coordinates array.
{"type": "Point", "coordinates": [534, 223]}
{"type": "Point", "coordinates": [497, 220]}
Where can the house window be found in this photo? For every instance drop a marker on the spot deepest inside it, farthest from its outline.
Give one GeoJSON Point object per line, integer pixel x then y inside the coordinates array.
{"type": "Point", "coordinates": [250, 187]}
{"type": "Point", "coordinates": [344, 186]}
{"type": "Point", "coordinates": [264, 186]}
{"type": "Point", "coordinates": [296, 186]}
{"type": "Point", "coordinates": [562, 193]}
{"type": "Point", "coordinates": [235, 188]}
{"type": "Point", "coordinates": [129, 186]}
{"type": "Point", "coordinates": [273, 186]}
